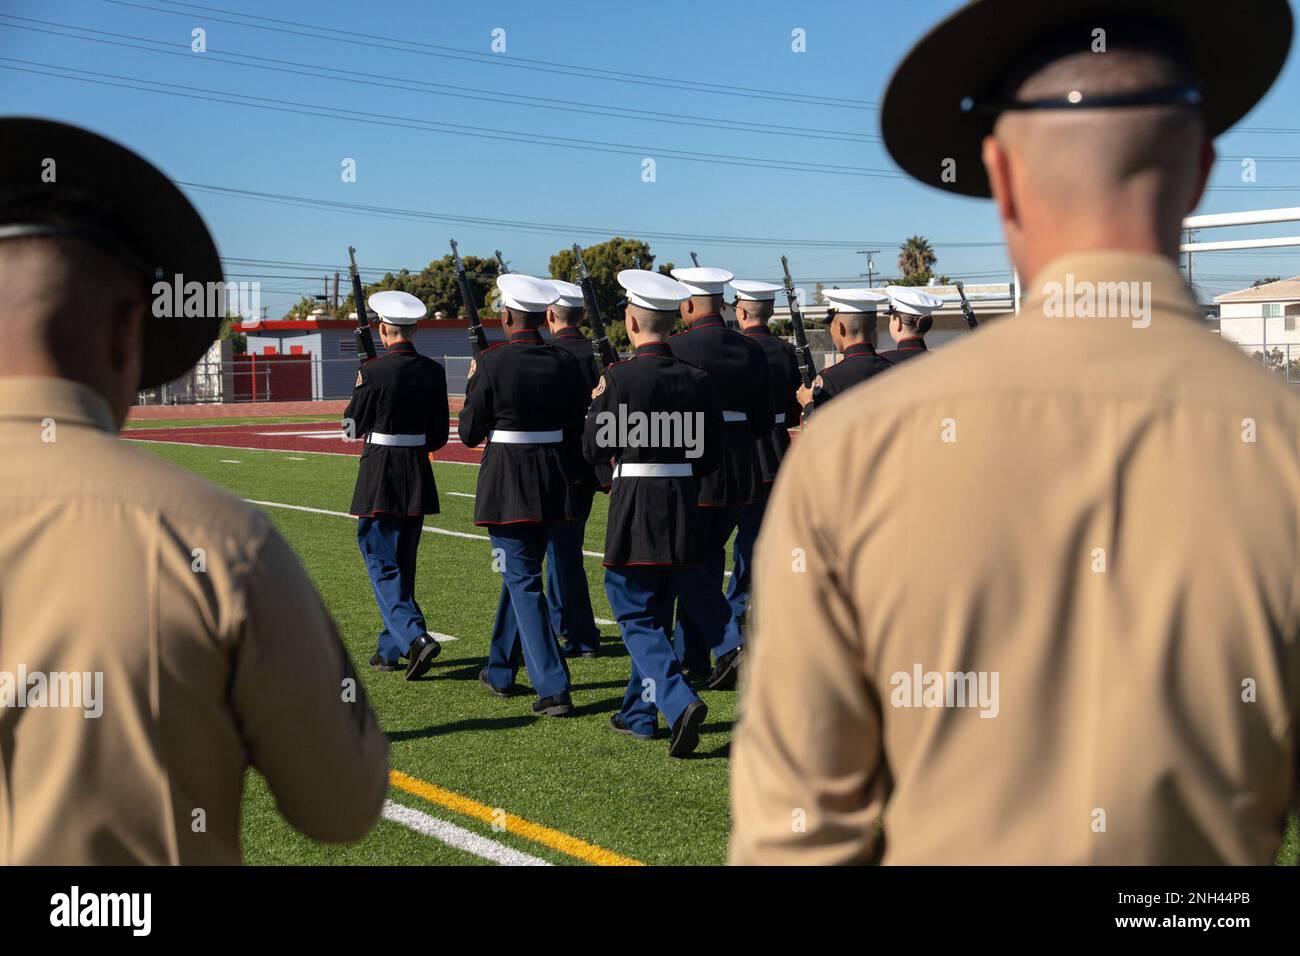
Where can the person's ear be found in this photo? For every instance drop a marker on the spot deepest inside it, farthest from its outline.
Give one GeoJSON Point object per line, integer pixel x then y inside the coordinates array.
{"type": "Point", "coordinates": [997, 163]}
{"type": "Point", "coordinates": [1206, 159]}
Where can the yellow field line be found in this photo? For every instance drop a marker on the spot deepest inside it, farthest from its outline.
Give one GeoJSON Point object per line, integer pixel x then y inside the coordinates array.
{"type": "Point", "coordinates": [555, 839]}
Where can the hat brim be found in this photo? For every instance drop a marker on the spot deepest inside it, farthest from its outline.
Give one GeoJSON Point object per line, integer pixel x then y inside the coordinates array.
{"type": "Point", "coordinates": [968, 54]}
{"type": "Point", "coordinates": [165, 229]}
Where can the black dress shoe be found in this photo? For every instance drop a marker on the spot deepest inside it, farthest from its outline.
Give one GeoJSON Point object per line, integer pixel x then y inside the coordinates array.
{"type": "Point", "coordinates": [557, 705]}
{"type": "Point", "coordinates": [496, 691]}
{"type": "Point", "coordinates": [619, 727]}
{"type": "Point", "coordinates": [724, 673]}
{"type": "Point", "coordinates": [420, 656]}
{"type": "Point", "coordinates": [573, 650]}
{"type": "Point", "coordinates": [379, 664]}
{"type": "Point", "coordinates": [686, 732]}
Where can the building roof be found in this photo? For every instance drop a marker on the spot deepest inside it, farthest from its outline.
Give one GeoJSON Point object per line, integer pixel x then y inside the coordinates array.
{"type": "Point", "coordinates": [315, 324]}
{"type": "Point", "coordinates": [1283, 290]}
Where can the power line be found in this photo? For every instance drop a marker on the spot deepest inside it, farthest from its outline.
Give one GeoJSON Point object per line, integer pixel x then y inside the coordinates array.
{"type": "Point", "coordinates": [413, 85]}
{"type": "Point", "coordinates": [315, 31]}
{"type": "Point", "coordinates": [514, 136]}
{"type": "Point", "coordinates": [549, 228]}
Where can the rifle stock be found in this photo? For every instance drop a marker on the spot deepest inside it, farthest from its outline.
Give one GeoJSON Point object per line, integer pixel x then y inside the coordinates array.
{"type": "Point", "coordinates": [365, 338]}
{"type": "Point", "coordinates": [600, 344]}
{"type": "Point", "coordinates": [477, 337]}
{"type": "Point", "coordinates": [801, 350]}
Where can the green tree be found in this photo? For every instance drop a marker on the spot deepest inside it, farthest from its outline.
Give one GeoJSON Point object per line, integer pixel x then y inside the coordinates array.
{"type": "Point", "coordinates": [604, 261]}
{"type": "Point", "coordinates": [435, 285]}
{"type": "Point", "coordinates": [230, 329]}
{"type": "Point", "coordinates": [1259, 282]}
{"type": "Point", "coordinates": [916, 258]}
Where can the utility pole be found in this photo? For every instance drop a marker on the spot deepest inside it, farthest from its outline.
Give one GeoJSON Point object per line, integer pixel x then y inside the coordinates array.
{"type": "Point", "coordinates": [871, 266]}
{"type": "Point", "coordinates": [334, 302]}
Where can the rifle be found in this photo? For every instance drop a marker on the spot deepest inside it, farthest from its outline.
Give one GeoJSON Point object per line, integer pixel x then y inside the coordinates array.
{"type": "Point", "coordinates": [801, 350]}
{"type": "Point", "coordinates": [695, 259]}
{"type": "Point", "coordinates": [604, 352]}
{"type": "Point", "coordinates": [502, 269]}
{"type": "Point", "coordinates": [966, 310]}
{"type": "Point", "coordinates": [365, 338]}
{"type": "Point", "coordinates": [477, 337]}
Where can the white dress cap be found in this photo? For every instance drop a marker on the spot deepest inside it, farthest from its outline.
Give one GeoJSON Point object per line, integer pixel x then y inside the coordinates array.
{"type": "Point", "coordinates": [570, 293]}
{"type": "Point", "coordinates": [703, 280]}
{"type": "Point", "coordinates": [912, 300]}
{"type": "Point", "coordinates": [397, 308]}
{"type": "Point", "coordinates": [854, 300]}
{"type": "Point", "coordinates": [524, 293]}
{"type": "Point", "coordinates": [756, 290]}
{"type": "Point", "coordinates": [651, 290]}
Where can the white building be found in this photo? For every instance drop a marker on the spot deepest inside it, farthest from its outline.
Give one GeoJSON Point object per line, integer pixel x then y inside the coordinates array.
{"type": "Point", "coordinates": [1264, 319]}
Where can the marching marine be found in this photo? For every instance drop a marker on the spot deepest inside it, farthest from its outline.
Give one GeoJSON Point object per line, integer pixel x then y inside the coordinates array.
{"type": "Point", "coordinates": [567, 592]}
{"type": "Point", "coordinates": [754, 305]}
{"type": "Point", "coordinates": [528, 400]}
{"type": "Point", "coordinates": [399, 405]}
{"type": "Point", "coordinates": [909, 319]}
{"type": "Point", "coordinates": [852, 321]}
{"type": "Point", "coordinates": [653, 538]}
{"type": "Point", "coordinates": [738, 368]}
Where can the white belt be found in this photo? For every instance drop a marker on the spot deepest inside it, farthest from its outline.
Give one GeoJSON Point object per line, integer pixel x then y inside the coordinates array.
{"type": "Point", "coordinates": [734, 416]}
{"type": "Point", "coordinates": [507, 437]}
{"type": "Point", "coordinates": [652, 470]}
{"type": "Point", "coordinates": [779, 418]}
{"type": "Point", "coordinates": [396, 441]}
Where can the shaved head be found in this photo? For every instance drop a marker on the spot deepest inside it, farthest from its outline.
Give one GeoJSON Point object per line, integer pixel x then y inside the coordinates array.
{"type": "Point", "coordinates": [653, 321]}
{"type": "Point", "coordinates": [566, 315]}
{"type": "Point", "coordinates": [1111, 178]}
{"type": "Point", "coordinates": [69, 310]}
{"type": "Point", "coordinates": [755, 311]}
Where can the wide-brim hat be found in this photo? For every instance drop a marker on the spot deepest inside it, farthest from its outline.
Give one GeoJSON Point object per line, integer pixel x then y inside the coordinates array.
{"type": "Point", "coordinates": [151, 224]}
{"type": "Point", "coordinates": [1235, 52]}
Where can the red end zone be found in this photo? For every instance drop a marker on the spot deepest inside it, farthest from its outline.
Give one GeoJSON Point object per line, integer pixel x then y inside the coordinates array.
{"type": "Point", "coordinates": [319, 437]}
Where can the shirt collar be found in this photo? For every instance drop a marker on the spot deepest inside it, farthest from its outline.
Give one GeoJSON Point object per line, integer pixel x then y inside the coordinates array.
{"type": "Point", "coordinates": [706, 320]}
{"type": "Point", "coordinates": [757, 330]}
{"type": "Point", "coordinates": [402, 347]}
{"type": "Point", "coordinates": [913, 343]}
{"type": "Point", "coordinates": [1063, 280]}
{"type": "Point", "coordinates": [30, 398]}
{"type": "Point", "coordinates": [568, 332]}
{"type": "Point", "coordinates": [654, 348]}
{"type": "Point", "coordinates": [859, 348]}
{"type": "Point", "coordinates": [527, 336]}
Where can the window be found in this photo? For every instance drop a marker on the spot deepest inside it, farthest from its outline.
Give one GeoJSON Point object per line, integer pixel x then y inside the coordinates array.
{"type": "Point", "coordinates": [1288, 324]}
{"type": "Point", "coordinates": [1271, 310]}
{"type": "Point", "coordinates": [347, 346]}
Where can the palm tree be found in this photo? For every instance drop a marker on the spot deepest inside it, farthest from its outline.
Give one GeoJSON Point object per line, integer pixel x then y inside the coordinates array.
{"type": "Point", "coordinates": [916, 256]}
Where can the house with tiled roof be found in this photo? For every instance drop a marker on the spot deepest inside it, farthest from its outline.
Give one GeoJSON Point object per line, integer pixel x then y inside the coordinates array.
{"type": "Point", "coordinates": [1263, 318]}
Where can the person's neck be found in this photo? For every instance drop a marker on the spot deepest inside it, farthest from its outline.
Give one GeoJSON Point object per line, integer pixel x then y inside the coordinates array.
{"type": "Point", "coordinates": [639, 340]}
{"type": "Point", "coordinates": [849, 343]}
{"type": "Point", "coordinates": [1038, 248]}
{"type": "Point", "coordinates": [754, 324]}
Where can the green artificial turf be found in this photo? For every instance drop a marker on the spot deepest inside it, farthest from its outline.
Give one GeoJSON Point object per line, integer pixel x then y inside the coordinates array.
{"type": "Point", "coordinates": [573, 775]}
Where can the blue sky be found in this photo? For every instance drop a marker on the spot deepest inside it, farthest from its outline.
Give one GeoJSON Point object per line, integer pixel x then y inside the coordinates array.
{"type": "Point", "coordinates": [670, 57]}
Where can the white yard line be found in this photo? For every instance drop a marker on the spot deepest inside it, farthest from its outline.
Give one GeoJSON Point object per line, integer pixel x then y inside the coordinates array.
{"type": "Point", "coordinates": [229, 461]}
{"type": "Point", "coordinates": [277, 451]}
{"type": "Point", "coordinates": [458, 837]}
{"type": "Point", "coordinates": [459, 494]}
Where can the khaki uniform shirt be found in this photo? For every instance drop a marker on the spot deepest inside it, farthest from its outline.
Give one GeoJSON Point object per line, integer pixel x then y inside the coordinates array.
{"type": "Point", "coordinates": [182, 641]}
{"type": "Point", "coordinates": [1092, 525]}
